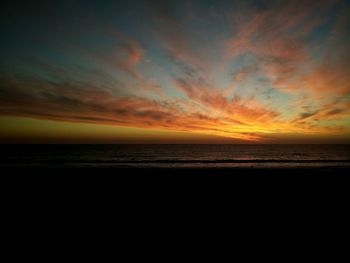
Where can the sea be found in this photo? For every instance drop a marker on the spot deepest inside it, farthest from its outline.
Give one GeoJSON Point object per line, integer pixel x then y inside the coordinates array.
{"type": "Point", "coordinates": [176, 156]}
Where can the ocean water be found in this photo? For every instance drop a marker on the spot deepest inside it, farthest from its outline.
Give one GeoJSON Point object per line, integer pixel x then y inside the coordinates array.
{"type": "Point", "coordinates": [176, 156]}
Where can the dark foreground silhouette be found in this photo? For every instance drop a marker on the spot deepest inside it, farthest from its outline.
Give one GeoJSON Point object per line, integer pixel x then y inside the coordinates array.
{"type": "Point", "coordinates": [166, 187]}
{"type": "Point", "coordinates": [119, 168]}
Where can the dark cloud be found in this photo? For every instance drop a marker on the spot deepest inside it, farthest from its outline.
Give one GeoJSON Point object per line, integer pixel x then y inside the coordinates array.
{"type": "Point", "coordinates": [306, 115]}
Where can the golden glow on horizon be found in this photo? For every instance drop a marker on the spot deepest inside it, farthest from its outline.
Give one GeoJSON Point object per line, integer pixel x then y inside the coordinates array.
{"type": "Point", "coordinates": [29, 129]}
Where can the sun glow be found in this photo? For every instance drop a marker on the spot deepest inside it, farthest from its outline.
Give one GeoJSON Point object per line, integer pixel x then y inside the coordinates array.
{"type": "Point", "coordinates": [255, 72]}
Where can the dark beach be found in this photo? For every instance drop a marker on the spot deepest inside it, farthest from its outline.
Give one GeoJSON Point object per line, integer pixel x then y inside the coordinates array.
{"type": "Point", "coordinates": [141, 172]}
{"type": "Point", "coordinates": [168, 186]}
{"type": "Point", "coordinates": [175, 161]}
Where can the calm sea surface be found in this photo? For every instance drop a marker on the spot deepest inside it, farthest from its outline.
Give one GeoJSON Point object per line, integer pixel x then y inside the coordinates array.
{"type": "Point", "coordinates": [196, 156]}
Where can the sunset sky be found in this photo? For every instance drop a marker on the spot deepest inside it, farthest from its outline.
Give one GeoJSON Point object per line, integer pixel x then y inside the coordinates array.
{"type": "Point", "coordinates": [194, 71]}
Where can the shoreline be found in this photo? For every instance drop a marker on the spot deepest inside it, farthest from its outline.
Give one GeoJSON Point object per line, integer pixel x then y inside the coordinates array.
{"type": "Point", "coordinates": [63, 171]}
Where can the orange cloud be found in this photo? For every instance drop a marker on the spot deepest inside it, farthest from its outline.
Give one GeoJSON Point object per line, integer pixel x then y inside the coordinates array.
{"type": "Point", "coordinates": [80, 103]}
{"type": "Point", "coordinates": [276, 37]}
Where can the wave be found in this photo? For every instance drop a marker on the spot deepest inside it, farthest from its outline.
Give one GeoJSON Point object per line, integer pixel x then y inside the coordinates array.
{"type": "Point", "coordinates": [196, 161]}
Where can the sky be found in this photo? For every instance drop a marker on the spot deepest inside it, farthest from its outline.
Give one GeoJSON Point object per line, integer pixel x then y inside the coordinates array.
{"type": "Point", "coordinates": [191, 71]}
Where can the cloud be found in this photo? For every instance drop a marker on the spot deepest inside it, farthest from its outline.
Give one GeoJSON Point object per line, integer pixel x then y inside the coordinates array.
{"type": "Point", "coordinates": [129, 54]}
{"type": "Point", "coordinates": [171, 35]}
{"type": "Point", "coordinates": [277, 37]}
{"type": "Point", "coordinates": [79, 102]}
{"type": "Point", "coordinates": [125, 54]}
{"type": "Point", "coordinates": [205, 112]}
{"type": "Point", "coordinates": [236, 110]}
{"type": "Point", "coordinates": [120, 88]}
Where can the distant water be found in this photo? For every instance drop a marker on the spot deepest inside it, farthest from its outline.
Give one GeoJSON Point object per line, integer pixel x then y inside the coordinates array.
{"type": "Point", "coordinates": [188, 156]}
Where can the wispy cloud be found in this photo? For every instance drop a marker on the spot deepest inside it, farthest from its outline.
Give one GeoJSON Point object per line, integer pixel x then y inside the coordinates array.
{"type": "Point", "coordinates": [297, 52]}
